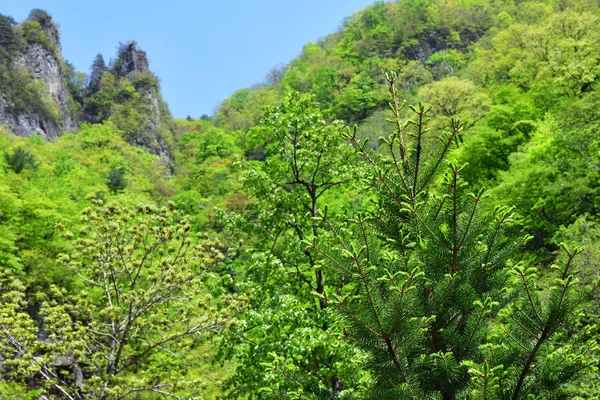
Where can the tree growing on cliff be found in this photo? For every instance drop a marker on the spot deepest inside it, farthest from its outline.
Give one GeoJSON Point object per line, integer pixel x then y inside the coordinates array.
{"type": "Point", "coordinates": [432, 297]}
{"type": "Point", "coordinates": [41, 16]}
{"type": "Point", "coordinates": [9, 42]}
{"type": "Point", "coordinates": [96, 73]}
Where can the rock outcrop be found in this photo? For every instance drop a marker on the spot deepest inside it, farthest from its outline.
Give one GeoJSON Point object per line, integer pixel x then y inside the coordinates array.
{"type": "Point", "coordinates": [131, 60]}
{"type": "Point", "coordinates": [133, 63]}
{"type": "Point", "coordinates": [37, 99]}
{"type": "Point", "coordinates": [47, 111]}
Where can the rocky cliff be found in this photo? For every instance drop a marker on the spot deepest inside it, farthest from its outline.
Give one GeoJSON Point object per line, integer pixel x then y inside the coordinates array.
{"type": "Point", "coordinates": [39, 95]}
{"type": "Point", "coordinates": [132, 64]}
{"type": "Point", "coordinates": [35, 96]}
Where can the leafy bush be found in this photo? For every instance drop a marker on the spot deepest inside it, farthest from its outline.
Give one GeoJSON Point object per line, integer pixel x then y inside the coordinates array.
{"type": "Point", "coordinates": [33, 32]}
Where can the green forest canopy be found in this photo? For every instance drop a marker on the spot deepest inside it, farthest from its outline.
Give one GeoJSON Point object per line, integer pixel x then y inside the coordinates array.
{"type": "Point", "coordinates": [289, 256]}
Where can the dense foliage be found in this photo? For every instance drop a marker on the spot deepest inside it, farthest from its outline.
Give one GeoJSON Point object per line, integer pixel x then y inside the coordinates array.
{"type": "Point", "coordinates": [430, 296]}
{"type": "Point", "coordinates": [336, 265]}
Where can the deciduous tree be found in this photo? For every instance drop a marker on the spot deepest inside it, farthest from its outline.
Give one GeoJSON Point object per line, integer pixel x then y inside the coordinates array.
{"type": "Point", "coordinates": [307, 163]}
{"type": "Point", "coordinates": [143, 301]}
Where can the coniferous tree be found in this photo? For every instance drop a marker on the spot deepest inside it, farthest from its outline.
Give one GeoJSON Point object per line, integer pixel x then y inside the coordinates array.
{"type": "Point", "coordinates": [432, 297]}
{"type": "Point", "coordinates": [97, 104]}
{"type": "Point", "coordinates": [97, 71]}
{"type": "Point", "coordinates": [116, 181]}
{"type": "Point", "coordinates": [19, 160]}
{"type": "Point", "coordinates": [9, 43]}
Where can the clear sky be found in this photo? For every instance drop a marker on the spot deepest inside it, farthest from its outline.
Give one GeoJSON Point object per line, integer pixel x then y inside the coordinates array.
{"type": "Point", "coordinates": [202, 51]}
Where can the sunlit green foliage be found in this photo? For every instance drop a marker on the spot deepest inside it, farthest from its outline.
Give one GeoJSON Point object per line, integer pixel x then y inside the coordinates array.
{"type": "Point", "coordinates": [307, 166]}
{"type": "Point", "coordinates": [143, 298]}
{"type": "Point", "coordinates": [34, 200]}
{"type": "Point", "coordinates": [521, 75]}
{"type": "Point", "coordinates": [455, 98]}
{"type": "Point", "coordinates": [432, 296]}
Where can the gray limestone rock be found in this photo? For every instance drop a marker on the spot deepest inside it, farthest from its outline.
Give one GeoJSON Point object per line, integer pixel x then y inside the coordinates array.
{"type": "Point", "coordinates": [49, 111]}
{"type": "Point", "coordinates": [131, 62]}
{"type": "Point", "coordinates": [44, 65]}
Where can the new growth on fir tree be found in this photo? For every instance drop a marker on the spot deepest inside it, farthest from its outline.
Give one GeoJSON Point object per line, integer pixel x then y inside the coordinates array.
{"type": "Point", "coordinates": [432, 297]}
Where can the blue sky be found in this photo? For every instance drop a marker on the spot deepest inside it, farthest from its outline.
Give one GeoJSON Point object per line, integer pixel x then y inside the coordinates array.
{"type": "Point", "coordinates": [202, 51]}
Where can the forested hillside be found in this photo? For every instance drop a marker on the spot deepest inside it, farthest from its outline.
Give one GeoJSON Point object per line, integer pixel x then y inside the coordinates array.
{"type": "Point", "coordinates": [408, 209]}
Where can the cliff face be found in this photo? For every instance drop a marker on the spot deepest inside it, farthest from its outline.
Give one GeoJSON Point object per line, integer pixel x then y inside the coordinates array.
{"type": "Point", "coordinates": [130, 60]}
{"type": "Point", "coordinates": [40, 102]}
{"type": "Point", "coordinates": [132, 64]}
{"type": "Point", "coordinates": [42, 64]}
{"type": "Point", "coordinates": [39, 97]}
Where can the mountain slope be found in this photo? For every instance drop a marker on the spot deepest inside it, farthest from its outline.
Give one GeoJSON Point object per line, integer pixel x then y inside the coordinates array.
{"type": "Point", "coordinates": [43, 95]}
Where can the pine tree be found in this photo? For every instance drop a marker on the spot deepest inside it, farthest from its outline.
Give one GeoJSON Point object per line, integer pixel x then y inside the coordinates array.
{"type": "Point", "coordinates": [97, 71]}
{"type": "Point", "coordinates": [9, 43]}
{"type": "Point", "coordinates": [19, 160]}
{"type": "Point", "coordinates": [116, 181]}
{"type": "Point", "coordinates": [432, 297]}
